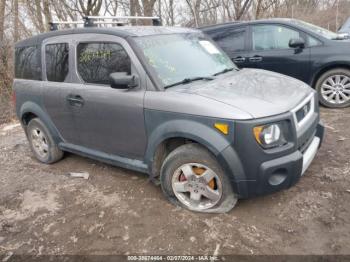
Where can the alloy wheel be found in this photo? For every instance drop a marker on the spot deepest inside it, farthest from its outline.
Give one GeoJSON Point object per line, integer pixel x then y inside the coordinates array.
{"type": "Point", "coordinates": [197, 186]}
{"type": "Point", "coordinates": [336, 89]}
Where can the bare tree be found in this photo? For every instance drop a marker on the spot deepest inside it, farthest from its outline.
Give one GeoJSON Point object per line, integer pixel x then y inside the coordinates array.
{"type": "Point", "coordinates": [135, 8]}
{"type": "Point", "coordinates": [39, 15]}
{"type": "Point", "coordinates": [167, 15]}
{"type": "Point", "coordinates": [47, 14]}
{"type": "Point", "coordinates": [90, 7]}
{"type": "Point", "coordinates": [111, 7]}
{"type": "Point", "coordinates": [143, 8]}
{"type": "Point", "coordinates": [148, 7]}
{"type": "Point", "coordinates": [15, 21]}
{"type": "Point", "coordinates": [194, 6]}
{"type": "Point", "coordinates": [2, 20]}
{"type": "Point", "coordinates": [264, 7]}
{"type": "Point", "coordinates": [171, 12]}
{"type": "Point", "coordinates": [241, 7]}
{"type": "Point", "coordinates": [209, 11]}
{"type": "Point", "coordinates": [64, 10]}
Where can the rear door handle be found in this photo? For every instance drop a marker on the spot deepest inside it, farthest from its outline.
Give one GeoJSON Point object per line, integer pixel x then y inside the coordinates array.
{"type": "Point", "coordinates": [75, 100]}
{"type": "Point", "coordinates": [255, 59]}
{"type": "Point", "coordinates": [238, 59]}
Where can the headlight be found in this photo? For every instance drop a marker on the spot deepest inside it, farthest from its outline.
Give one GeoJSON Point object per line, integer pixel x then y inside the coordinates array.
{"type": "Point", "coordinates": [269, 136]}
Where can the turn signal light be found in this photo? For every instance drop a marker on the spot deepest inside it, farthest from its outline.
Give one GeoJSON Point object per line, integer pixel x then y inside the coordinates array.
{"type": "Point", "coordinates": [223, 128]}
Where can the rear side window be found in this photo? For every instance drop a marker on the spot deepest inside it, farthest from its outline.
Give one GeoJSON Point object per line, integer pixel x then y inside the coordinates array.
{"type": "Point", "coordinates": [96, 61]}
{"type": "Point", "coordinates": [27, 63]}
{"type": "Point", "coordinates": [56, 56]}
{"type": "Point", "coordinates": [231, 40]}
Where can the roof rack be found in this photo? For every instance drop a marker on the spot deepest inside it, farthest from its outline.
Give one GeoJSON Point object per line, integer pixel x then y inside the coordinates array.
{"type": "Point", "coordinates": [54, 24]}
{"type": "Point", "coordinates": [91, 21]}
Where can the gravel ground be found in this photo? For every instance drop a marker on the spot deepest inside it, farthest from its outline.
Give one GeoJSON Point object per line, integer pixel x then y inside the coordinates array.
{"type": "Point", "coordinates": [116, 211]}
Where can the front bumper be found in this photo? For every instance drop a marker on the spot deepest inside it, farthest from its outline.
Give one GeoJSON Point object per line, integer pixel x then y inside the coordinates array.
{"type": "Point", "coordinates": [310, 153]}
{"type": "Point", "coordinates": [283, 172]}
{"type": "Point", "coordinates": [254, 171]}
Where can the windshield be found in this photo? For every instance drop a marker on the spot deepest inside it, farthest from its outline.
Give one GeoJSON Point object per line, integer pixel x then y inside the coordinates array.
{"type": "Point", "coordinates": [183, 56]}
{"type": "Point", "coordinates": [318, 30]}
{"type": "Point", "coordinates": [346, 25]}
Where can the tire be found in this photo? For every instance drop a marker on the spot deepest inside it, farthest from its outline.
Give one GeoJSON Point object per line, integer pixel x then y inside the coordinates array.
{"type": "Point", "coordinates": [333, 88]}
{"type": "Point", "coordinates": [41, 142]}
{"type": "Point", "coordinates": [193, 189]}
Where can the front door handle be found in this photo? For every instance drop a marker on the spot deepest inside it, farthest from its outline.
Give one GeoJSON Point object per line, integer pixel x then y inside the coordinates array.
{"type": "Point", "coordinates": [238, 59]}
{"type": "Point", "coordinates": [75, 100]}
{"type": "Point", "coordinates": [255, 59]}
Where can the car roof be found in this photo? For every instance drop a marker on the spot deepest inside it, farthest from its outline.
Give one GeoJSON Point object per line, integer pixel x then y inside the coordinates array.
{"type": "Point", "coordinates": [238, 23]}
{"type": "Point", "coordinates": [121, 31]}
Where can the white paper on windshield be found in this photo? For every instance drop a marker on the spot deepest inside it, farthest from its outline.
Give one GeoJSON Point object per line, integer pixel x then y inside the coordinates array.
{"type": "Point", "coordinates": [209, 47]}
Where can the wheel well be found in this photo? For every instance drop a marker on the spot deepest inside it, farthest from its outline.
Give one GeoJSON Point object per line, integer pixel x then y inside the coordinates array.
{"type": "Point", "coordinates": [163, 150]}
{"type": "Point", "coordinates": [330, 67]}
{"type": "Point", "coordinates": [27, 117]}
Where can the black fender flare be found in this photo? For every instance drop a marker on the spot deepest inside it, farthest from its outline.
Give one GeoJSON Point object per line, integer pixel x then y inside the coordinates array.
{"type": "Point", "coordinates": [30, 107]}
{"type": "Point", "coordinates": [203, 134]}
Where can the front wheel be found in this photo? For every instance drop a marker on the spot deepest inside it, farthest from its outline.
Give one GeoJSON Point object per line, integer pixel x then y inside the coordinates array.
{"type": "Point", "coordinates": [192, 178]}
{"type": "Point", "coordinates": [333, 88]}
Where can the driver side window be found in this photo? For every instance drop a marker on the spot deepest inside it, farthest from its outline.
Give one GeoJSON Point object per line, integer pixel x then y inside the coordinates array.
{"type": "Point", "coordinates": [97, 60]}
{"type": "Point", "coordinates": [269, 37]}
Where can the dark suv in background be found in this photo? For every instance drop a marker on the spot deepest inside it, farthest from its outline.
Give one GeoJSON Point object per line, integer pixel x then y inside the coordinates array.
{"type": "Point", "coordinates": [307, 52]}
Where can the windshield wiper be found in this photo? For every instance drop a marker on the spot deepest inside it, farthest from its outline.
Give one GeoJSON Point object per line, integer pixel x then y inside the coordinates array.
{"type": "Point", "coordinates": [224, 71]}
{"type": "Point", "coordinates": [189, 80]}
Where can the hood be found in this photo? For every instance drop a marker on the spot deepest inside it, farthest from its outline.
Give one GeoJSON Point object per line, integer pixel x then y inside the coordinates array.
{"type": "Point", "coordinates": [257, 92]}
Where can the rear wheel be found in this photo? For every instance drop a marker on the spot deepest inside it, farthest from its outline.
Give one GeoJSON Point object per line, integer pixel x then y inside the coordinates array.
{"type": "Point", "coordinates": [333, 88]}
{"type": "Point", "coordinates": [192, 178]}
{"type": "Point", "coordinates": [42, 143]}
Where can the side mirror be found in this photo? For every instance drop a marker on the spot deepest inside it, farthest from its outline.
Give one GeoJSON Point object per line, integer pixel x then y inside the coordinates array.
{"type": "Point", "coordinates": [122, 80]}
{"type": "Point", "coordinates": [297, 43]}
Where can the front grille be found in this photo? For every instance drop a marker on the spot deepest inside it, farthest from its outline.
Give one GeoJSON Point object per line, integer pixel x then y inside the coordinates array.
{"type": "Point", "coordinates": [303, 111]}
{"type": "Point", "coordinates": [306, 120]}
